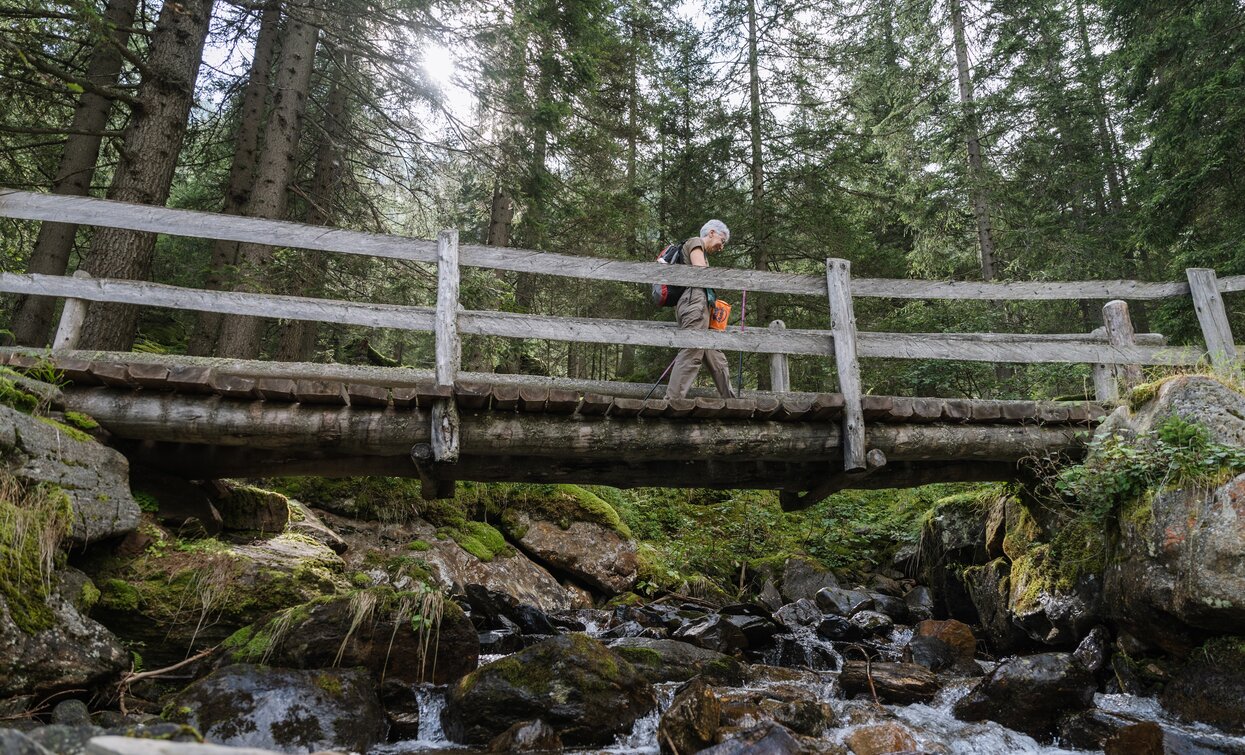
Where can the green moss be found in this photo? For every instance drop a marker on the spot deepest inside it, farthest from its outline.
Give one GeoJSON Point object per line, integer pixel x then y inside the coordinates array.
{"type": "Point", "coordinates": [119, 595]}
{"type": "Point", "coordinates": [146, 502]}
{"type": "Point", "coordinates": [646, 657]}
{"type": "Point", "coordinates": [1020, 534]}
{"type": "Point", "coordinates": [81, 421]}
{"type": "Point", "coordinates": [72, 432]}
{"type": "Point", "coordinates": [1036, 573]}
{"type": "Point", "coordinates": [33, 519]}
{"type": "Point", "coordinates": [12, 395]}
{"type": "Point", "coordinates": [418, 545]}
{"type": "Point", "coordinates": [88, 597]}
{"type": "Point", "coordinates": [1144, 394]}
{"type": "Point", "coordinates": [330, 684]}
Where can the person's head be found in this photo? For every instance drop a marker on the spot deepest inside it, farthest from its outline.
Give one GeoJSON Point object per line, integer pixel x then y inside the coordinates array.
{"type": "Point", "coordinates": [715, 234]}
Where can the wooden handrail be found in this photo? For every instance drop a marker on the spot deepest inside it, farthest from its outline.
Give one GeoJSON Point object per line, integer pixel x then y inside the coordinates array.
{"type": "Point", "coordinates": [192, 223]}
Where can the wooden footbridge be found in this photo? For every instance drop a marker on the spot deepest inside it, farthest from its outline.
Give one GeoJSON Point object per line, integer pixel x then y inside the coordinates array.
{"type": "Point", "coordinates": [219, 417]}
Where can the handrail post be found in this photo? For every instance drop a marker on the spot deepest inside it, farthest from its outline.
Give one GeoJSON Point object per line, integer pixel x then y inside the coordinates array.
{"type": "Point", "coordinates": [72, 316]}
{"type": "Point", "coordinates": [1106, 388]}
{"type": "Point", "coordinates": [1120, 332]}
{"type": "Point", "coordinates": [445, 435]}
{"type": "Point", "coordinates": [1208, 303]}
{"type": "Point", "coordinates": [843, 327]}
{"type": "Point", "coordinates": [779, 374]}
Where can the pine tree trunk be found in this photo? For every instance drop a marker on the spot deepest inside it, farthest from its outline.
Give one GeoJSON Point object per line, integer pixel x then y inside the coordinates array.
{"type": "Point", "coordinates": [32, 319]}
{"type": "Point", "coordinates": [760, 250]}
{"type": "Point", "coordinates": [297, 341]}
{"type": "Point", "coordinates": [972, 137]}
{"type": "Point", "coordinates": [501, 214]}
{"type": "Point", "coordinates": [149, 153]}
{"type": "Point", "coordinates": [241, 171]}
{"type": "Point", "coordinates": [240, 337]}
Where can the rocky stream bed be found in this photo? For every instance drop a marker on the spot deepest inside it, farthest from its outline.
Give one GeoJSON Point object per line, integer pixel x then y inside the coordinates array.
{"type": "Point", "coordinates": [142, 614]}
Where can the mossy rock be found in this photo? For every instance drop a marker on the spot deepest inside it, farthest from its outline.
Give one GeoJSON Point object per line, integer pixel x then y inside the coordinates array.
{"type": "Point", "coordinates": [585, 691]}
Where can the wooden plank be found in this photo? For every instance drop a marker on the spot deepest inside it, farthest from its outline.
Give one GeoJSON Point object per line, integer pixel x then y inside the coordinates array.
{"type": "Point", "coordinates": [843, 325]}
{"type": "Point", "coordinates": [986, 411]}
{"type": "Point", "coordinates": [1028, 290]}
{"type": "Point", "coordinates": [877, 407]}
{"type": "Point", "coordinates": [448, 345]}
{"type": "Point", "coordinates": [1211, 315]}
{"type": "Point", "coordinates": [532, 398]}
{"type": "Point", "coordinates": [24, 361]}
{"type": "Point", "coordinates": [677, 408]}
{"type": "Point", "coordinates": [626, 408]}
{"type": "Point", "coordinates": [188, 378]}
{"type": "Point", "coordinates": [1106, 387]}
{"type": "Point", "coordinates": [957, 410]}
{"type": "Point", "coordinates": [428, 394]}
{"type": "Point", "coordinates": [738, 408]}
{"type": "Point", "coordinates": [506, 398]}
{"type": "Point", "coordinates": [367, 395]}
{"type": "Point", "coordinates": [320, 392]}
{"type": "Point", "coordinates": [593, 404]}
{"type": "Point", "coordinates": [112, 374]}
{"type": "Point", "coordinates": [779, 372]}
{"type": "Point", "coordinates": [707, 407]}
{"type": "Point", "coordinates": [1119, 327]}
{"type": "Point", "coordinates": [73, 314]}
{"type": "Point", "coordinates": [827, 407]}
{"type": "Point", "coordinates": [77, 371]}
{"type": "Point", "coordinates": [1051, 413]}
{"type": "Point", "coordinates": [472, 395]}
{"type": "Point", "coordinates": [989, 347]}
{"type": "Point", "coordinates": [148, 375]}
{"type": "Point", "coordinates": [927, 409]}
{"type": "Point", "coordinates": [235, 386]}
{"type": "Point", "coordinates": [794, 408]}
{"type": "Point", "coordinates": [654, 407]}
{"type": "Point", "coordinates": [561, 401]}
{"type": "Point", "coordinates": [766, 407]}
{"type": "Point", "coordinates": [1018, 411]}
{"type": "Point", "coordinates": [276, 389]}
{"type": "Point", "coordinates": [406, 396]}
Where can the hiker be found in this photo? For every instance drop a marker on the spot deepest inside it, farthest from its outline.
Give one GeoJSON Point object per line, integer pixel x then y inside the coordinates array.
{"type": "Point", "coordinates": [692, 312]}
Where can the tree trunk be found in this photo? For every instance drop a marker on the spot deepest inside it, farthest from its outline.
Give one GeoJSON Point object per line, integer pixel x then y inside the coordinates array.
{"type": "Point", "coordinates": [298, 337]}
{"type": "Point", "coordinates": [149, 152]}
{"type": "Point", "coordinates": [972, 137]}
{"type": "Point", "coordinates": [240, 336]}
{"type": "Point", "coordinates": [241, 171]}
{"type": "Point", "coordinates": [760, 250]}
{"type": "Point", "coordinates": [633, 93]}
{"type": "Point", "coordinates": [501, 214]}
{"type": "Point", "coordinates": [32, 318]}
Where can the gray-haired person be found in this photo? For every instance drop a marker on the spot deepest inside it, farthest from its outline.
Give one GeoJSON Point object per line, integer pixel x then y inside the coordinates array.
{"type": "Point", "coordinates": [692, 312]}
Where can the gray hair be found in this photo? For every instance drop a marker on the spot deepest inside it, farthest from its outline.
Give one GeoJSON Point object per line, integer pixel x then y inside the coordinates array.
{"type": "Point", "coordinates": [716, 225]}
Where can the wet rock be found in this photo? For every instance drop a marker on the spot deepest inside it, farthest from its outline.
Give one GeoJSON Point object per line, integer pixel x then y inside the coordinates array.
{"type": "Point", "coordinates": [157, 729]}
{"type": "Point", "coordinates": [766, 739]}
{"type": "Point", "coordinates": [802, 650]}
{"type": "Point", "coordinates": [931, 652]}
{"type": "Point", "coordinates": [71, 713]}
{"type": "Point", "coordinates": [284, 709]}
{"type": "Point", "coordinates": [803, 579]}
{"type": "Point", "coordinates": [128, 746]}
{"type": "Point", "coordinates": [660, 660]}
{"type": "Point", "coordinates": [714, 632]}
{"type": "Point", "coordinates": [1210, 687]}
{"type": "Point", "coordinates": [1053, 617]}
{"type": "Point", "coordinates": [989, 586]}
{"type": "Point", "coordinates": [996, 528]}
{"type": "Point", "coordinates": [956, 634]}
{"type": "Point", "coordinates": [758, 630]}
{"type": "Point", "coordinates": [893, 607]}
{"type": "Point", "coordinates": [801, 613]}
{"type": "Point", "coordinates": [920, 602]}
{"type": "Point", "coordinates": [305, 522]}
{"type": "Point", "coordinates": [892, 682]}
{"type": "Point", "coordinates": [886, 585]}
{"type": "Point", "coordinates": [879, 739]}
{"type": "Point", "coordinates": [795, 706]}
{"type": "Point", "coordinates": [500, 641]}
{"type": "Point", "coordinates": [691, 723]}
{"type": "Point", "coordinates": [593, 553]}
{"type": "Point", "coordinates": [585, 691]}
{"type": "Point", "coordinates": [182, 506]}
{"type": "Point", "coordinates": [872, 622]}
{"type": "Point", "coordinates": [16, 743]}
{"type": "Point", "coordinates": [769, 597]}
{"type": "Point", "coordinates": [843, 602]}
{"type": "Point", "coordinates": [377, 629]}
{"type": "Point", "coordinates": [839, 629]}
{"type": "Point", "coordinates": [249, 509]}
{"type": "Point", "coordinates": [1092, 652]}
{"type": "Point", "coordinates": [55, 647]}
{"type": "Point", "coordinates": [1029, 693]}
{"type": "Point", "coordinates": [625, 629]}
{"type": "Point", "coordinates": [527, 736]}
{"type": "Point", "coordinates": [95, 478]}
{"type": "Point", "coordinates": [65, 739]}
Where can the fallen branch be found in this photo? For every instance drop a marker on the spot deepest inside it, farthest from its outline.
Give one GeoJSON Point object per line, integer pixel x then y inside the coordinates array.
{"type": "Point", "coordinates": [130, 677]}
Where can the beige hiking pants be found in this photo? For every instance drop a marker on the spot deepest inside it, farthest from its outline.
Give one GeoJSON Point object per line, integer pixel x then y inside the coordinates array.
{"type": "Point", "coordinates": [693, 314]}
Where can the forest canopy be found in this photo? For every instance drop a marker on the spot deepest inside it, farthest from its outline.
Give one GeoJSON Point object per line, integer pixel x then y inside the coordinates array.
{"type": "Point", "coordinates": [935, 139]}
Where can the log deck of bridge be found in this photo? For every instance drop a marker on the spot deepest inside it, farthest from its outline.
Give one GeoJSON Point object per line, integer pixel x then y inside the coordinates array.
{"type": "Point", "coordinates": [222, 418]}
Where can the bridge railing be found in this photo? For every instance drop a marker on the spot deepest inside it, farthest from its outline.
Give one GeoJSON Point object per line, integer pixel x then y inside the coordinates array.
{"type": "Point", "coordinates": [1115, 349]}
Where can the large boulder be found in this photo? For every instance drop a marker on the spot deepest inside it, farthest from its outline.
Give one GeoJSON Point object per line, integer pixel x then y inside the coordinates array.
{"type": "Point", "coordinates": [990, 588]}
{"type": "Point", "coordinates": [674, 661]}
{"type": "Point", "coordinates": [47, 644]}
{"type": "Point", "coordinates": [1029, 693]}
{"type": "Point", "coordinates": [175, 595]}
{"type": "Point", "coordinates": [802, 579]}
{"type": "Point", "coordinates": [952, 538]}
{"type": "Point", "coordinates": [1196, 398]}
{"type": "Point", "coordinates": [288, 710]}
{"type": "Point", "coordinates": [1179, 567]}
{"type": "Point", "coordinates": [178, 504]}
{"type": "Point", "coordinates": [691, 722]}
{"type": "Point", "coordinates": [406, 637]}
{"type": "Point", "coordinates": [576, 533]}
{"type": "Point", "coordinates": [1210, 687]}
{"type": "Point", "coordinates": [588, 693]}
{"type": "Point", "coordinates": [95, 478]}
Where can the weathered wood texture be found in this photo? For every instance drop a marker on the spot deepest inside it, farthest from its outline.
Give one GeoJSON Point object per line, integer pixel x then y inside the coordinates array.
{"type": "Point", "coordinates": [843, 325]}
{"type": "Point", "coordinates": [106, 213]}
{"type": "Point", "coordinates": [72, 316]}
{"type": "Point", "coordinates": [1106, 387]}
{"type": "Point", "coordinates": [1216, 331]}
{"type": "Point", "coordinates": [1120, 331]}
{"type": "Point", "coordinates": [779, 371]}
{"type": "Point", "coordinates": [445, 420]}
{"type": "Point", "coordinates": [987, 347]}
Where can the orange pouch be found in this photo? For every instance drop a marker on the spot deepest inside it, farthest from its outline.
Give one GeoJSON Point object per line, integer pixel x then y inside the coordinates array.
{"type": "Point", "coordinates": [719, 315]}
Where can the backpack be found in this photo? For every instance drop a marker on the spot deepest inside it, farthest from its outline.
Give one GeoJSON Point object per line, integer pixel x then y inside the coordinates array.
{"type": "Point", "coordinates": [665, 295]}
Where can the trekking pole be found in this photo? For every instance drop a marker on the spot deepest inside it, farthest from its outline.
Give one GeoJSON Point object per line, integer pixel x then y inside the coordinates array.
{"type": "Point", "coordinates": [743, 326]}
{"type": "Point", "coordinates": [663, 377]}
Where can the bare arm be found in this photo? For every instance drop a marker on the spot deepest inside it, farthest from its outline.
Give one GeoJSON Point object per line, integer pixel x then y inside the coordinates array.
{"type": "Point", "coordinates": [697, 257]}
